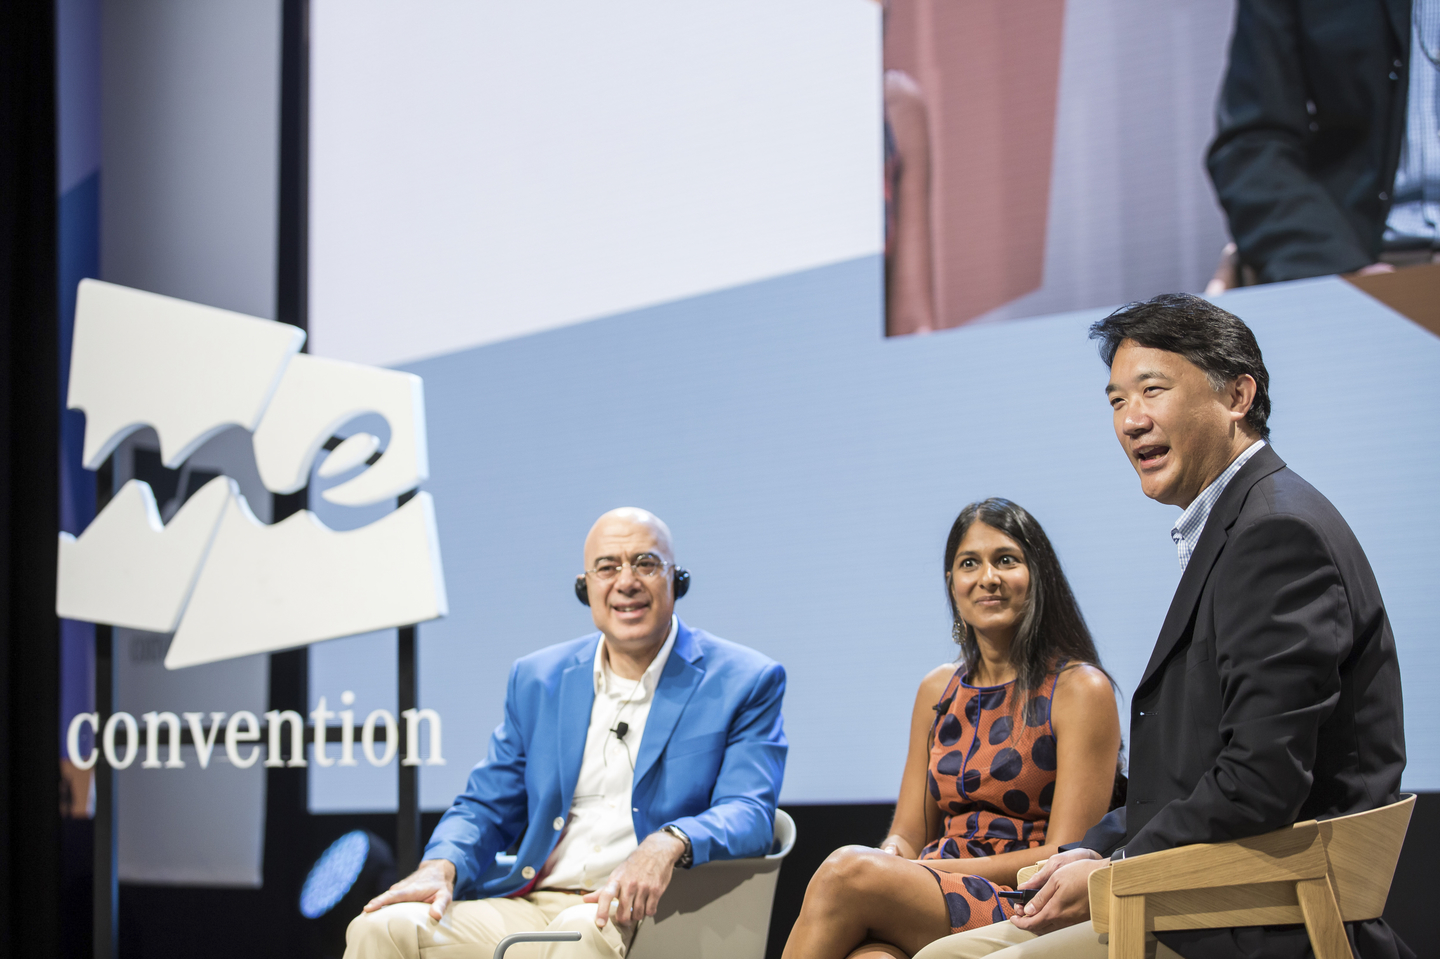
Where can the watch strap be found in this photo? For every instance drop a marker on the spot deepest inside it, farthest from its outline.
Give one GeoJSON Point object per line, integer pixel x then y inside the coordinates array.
{"type": "Point", "coordinates": [687, 858]}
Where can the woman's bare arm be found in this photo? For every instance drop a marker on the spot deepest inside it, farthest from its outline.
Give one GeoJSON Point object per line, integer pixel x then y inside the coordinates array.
{"type": "Point", "coordinates": [917, 818]}
{"type": "Point", "coordinates": [1087, 741]}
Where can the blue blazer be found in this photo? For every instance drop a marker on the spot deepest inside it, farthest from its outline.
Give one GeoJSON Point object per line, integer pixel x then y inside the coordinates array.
{"type": "Point", "coordinates": [711, 760]}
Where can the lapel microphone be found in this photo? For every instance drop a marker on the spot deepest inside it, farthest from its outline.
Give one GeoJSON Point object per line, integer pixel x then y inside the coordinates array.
{"type": "Point", "coordinates": [620, 730]}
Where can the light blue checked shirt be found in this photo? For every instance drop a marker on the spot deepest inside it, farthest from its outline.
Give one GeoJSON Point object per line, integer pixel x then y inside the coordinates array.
{"type": "Point", "coordinates": [1187, 529]}
{"type": "Point", "coordinates": [1415, 214]}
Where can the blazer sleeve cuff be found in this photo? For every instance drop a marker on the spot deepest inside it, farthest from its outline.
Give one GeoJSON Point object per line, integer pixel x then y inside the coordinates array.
{"type": "Point", "coordinates": [458, 857]}
{"type": "Point", "coordinates": [699, 836]}
{"type": "Point", "coordinates": [1104, 837]}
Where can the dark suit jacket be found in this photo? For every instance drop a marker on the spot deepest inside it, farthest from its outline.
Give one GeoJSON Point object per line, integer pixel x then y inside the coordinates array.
{"type": "Point", "coordinates": [1272, 696]}
{"type": "Point", "coordinates": [1309, 125]}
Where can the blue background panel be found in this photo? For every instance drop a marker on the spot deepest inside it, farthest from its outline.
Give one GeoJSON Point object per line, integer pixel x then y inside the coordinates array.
{"type": "Point", "coordinates": [810, 470]}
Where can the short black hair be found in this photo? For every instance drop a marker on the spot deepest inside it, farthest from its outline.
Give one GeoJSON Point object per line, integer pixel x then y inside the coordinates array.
{"type": "Point", "coordinates": [1213, 339]}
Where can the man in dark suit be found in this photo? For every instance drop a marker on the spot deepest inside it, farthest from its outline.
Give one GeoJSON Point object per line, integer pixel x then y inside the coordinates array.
{"type": "Point", "coordinates": [1273, 692]}
{"type": "Point", "coordinates": [1309, 128]}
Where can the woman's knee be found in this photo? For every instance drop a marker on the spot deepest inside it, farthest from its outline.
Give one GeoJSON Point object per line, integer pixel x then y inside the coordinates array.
{"type": "Point", "coordinates": [853, 871]}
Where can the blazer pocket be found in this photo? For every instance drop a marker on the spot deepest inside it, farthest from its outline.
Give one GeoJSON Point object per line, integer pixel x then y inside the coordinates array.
{"type": "Point", "coordinates": [695, 745]}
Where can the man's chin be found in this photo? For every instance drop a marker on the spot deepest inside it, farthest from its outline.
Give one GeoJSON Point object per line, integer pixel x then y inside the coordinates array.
{"type": "Point", "coordinates": [639, 634]}
{"type": "Point", "coordinates": [1159, 487]}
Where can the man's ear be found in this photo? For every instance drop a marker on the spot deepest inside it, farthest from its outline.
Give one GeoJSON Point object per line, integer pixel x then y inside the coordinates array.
{"type": "Point", "coordinates": [1241, 394]}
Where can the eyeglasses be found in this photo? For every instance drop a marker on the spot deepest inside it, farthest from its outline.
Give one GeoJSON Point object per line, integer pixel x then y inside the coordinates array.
{"type": "Point", "coordinates": [646, 567]}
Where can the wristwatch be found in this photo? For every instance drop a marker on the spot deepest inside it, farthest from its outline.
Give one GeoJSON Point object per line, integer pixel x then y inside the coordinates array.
{"type": "Point", "coordinates": [687, 858]}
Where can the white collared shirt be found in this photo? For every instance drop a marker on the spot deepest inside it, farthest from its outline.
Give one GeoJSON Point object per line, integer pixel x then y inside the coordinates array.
{"type": "Point", "coordinates": [600, 832]}
{"type": "Point", "coordinates": [1187, 529]}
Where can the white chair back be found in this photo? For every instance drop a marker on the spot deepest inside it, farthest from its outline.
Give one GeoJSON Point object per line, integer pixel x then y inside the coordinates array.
{"type": "Point", "coordinates": [720, 910]}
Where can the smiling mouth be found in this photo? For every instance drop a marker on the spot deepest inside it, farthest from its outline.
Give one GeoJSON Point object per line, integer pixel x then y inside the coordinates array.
{"type": "Point", "coordinates": [1150, 455]}
{"type": "Point", "coordinates": [630, 608]}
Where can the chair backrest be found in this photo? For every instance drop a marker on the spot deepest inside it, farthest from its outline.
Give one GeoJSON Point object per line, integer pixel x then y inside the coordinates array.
{"type": "Point", "coordinates": [720, 910]}
{"type": "Point", "coordinates": [1361, 850]}
{"type": "Point", "coordinates": [1253, 881]}
{"type": "Point", "coordinates": [784, 836]}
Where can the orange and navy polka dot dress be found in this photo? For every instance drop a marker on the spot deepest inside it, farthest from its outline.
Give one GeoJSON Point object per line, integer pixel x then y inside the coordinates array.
{"type": "Point", "coordinates": [992, 773]}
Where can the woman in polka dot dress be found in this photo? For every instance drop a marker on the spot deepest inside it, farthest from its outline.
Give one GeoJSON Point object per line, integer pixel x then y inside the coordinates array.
{"type": "Point", "coordinates": [1011, 754]}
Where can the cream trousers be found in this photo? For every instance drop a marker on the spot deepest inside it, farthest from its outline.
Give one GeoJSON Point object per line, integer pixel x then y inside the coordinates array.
{"type": "Point", "coordinates": [1004, 941]}
{"type": "Point", "coordinates": [471, 930]}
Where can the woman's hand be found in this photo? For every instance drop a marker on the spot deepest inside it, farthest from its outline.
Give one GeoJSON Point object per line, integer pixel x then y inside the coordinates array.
{"type": "Point", "coordinates": [898, 846]}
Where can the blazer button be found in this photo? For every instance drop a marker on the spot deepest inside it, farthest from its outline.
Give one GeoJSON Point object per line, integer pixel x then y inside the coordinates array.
{"type": "Point", "coordinates": [559, 823]}
{"type": "Point", "coordinates": [528, 872]}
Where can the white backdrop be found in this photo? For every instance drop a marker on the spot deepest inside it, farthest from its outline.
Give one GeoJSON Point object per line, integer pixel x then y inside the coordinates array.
{"type": "Point", "coordinates": [486, 170]}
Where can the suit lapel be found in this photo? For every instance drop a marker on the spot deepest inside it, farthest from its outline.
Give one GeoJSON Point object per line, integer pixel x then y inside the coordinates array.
{"type": "Point", "coordinates": [1207, 551]}
{"type": "Point", "coordinates": [1400, 13]}
{"type": "Point", "coordinates": [678, 681]}
{"type": "Point", "coordinates": [576, 700]}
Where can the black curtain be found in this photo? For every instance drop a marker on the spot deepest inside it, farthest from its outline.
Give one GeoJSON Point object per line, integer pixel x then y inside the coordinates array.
{"type": "Point", "coordinates": [29, 482]}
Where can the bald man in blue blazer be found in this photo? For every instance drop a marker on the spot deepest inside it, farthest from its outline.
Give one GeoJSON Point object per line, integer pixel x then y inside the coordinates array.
{"type": "Point", "coordinates": [623, 754]}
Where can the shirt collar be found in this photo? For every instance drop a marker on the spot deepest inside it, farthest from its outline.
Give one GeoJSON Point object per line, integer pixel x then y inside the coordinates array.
{"type": "Point", "coordinates": [1187, 529]}
{"type": "Point", "coordinates": [651, 677]}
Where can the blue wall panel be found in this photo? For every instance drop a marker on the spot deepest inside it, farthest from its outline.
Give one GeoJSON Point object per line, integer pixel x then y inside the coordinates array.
{"type": "Point", "coordinates": [810, 470]}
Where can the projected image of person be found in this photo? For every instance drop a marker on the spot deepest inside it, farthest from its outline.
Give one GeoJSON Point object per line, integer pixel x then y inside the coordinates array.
{"type": "Point", "coordinates": [1325, 156]}
{"type": "Point", "coordinates": [627, 753]}
{"type": "Point", "coordinates": [909, 282]}
{"type": "Point", "coordinates": [1013, 752]}
{"type": "Point", "coordinates": [971, 93]}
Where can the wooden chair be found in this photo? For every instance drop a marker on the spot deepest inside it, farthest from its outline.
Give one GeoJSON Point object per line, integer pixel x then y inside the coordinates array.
{"type": "Point", "coordinates": [1321, 874]}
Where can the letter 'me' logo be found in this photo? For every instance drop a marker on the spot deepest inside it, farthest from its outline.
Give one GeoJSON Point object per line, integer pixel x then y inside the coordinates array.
{"type": "Point", "coordinates": [224, 583]}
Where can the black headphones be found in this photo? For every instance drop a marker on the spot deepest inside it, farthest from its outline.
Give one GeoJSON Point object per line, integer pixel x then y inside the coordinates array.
{"type": "Point", "coordinates": [681, 581]}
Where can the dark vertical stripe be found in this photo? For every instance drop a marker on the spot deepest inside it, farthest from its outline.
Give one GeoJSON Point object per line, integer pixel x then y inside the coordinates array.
{"type": "Point", "coordinates": [407, 822]}
{"type": "Point", "coordinates": [292, 248]}
{"type": "Point", "coordinates": [288, 828]}
{"type": "Point", "coordinates": [29, 484]}
{"type": "Point", "coordinates": [105, 901]}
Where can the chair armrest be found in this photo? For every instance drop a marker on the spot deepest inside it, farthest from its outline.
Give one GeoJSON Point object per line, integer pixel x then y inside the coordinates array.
{"type": "Point", "coordinates": [1100, 898]}
{"type": "Point", "coordinates": [1285, 855]}
{"type": "Point", "coordinates": [519, 937]}
{"type": "Point", "coordinates": [1029, 871]}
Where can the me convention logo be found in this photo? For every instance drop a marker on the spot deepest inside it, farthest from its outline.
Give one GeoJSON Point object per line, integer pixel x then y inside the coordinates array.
{"type": "Point", "coordinates": [224, 583]}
